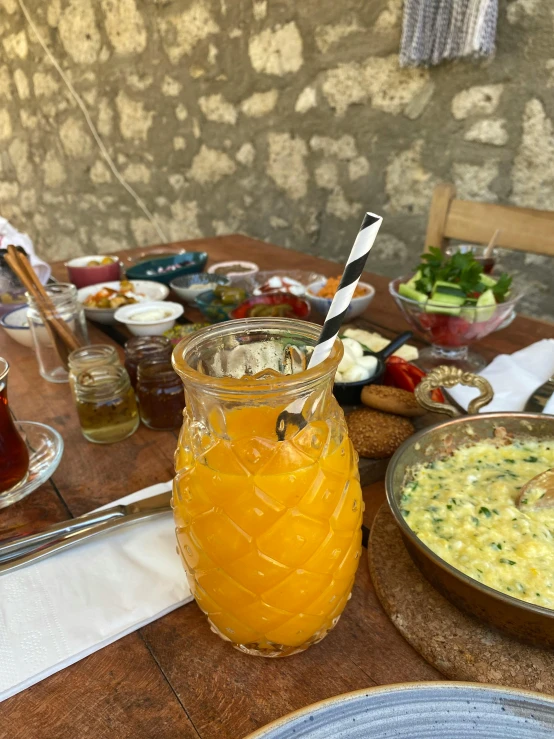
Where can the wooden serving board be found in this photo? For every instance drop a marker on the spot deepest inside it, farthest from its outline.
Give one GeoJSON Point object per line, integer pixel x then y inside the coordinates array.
{"type": "Point", "coordinates": [458, 645]}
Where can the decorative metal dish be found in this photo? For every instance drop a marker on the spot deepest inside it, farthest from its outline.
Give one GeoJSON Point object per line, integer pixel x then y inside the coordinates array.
{"type": "Point", "coordinates": [524, 620]}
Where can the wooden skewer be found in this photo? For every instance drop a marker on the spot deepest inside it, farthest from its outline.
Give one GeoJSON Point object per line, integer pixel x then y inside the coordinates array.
{"type": "Point", "coordinates": [490, 245]}
{"type": "Point", "coordinates": [63, 338]}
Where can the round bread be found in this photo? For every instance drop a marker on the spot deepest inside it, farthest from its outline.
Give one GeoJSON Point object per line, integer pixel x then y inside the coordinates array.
{"type": "Point", "coordinates": [375, 434]}
{"type": "Point", "coordinates": [391, 400]}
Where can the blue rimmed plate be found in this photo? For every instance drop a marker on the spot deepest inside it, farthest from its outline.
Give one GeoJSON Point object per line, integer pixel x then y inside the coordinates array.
{"type": "Point", "coordinates": [435, 710]}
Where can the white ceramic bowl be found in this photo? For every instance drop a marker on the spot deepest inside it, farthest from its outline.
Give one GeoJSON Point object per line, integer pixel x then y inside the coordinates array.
{"type": "Point", "coordinates": [189, 287]}
{"type": "Point", "coordinates": [144, 289]}
{"type": "Point", "coordinates": [16, 325]}
{"type": "Point", "coordinates": [130, 315]}
{"type": "Point", "coordinates": [321, 305]}
{"type": "Point", "coordinates": [249, 269]}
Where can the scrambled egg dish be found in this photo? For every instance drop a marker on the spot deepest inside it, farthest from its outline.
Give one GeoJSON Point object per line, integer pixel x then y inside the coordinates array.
{"type": "Point", "coordinates": [463, 507]}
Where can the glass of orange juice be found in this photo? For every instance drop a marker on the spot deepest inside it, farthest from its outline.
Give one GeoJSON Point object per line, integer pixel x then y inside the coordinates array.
{"type": "Point", "coordinates": [268, 525]}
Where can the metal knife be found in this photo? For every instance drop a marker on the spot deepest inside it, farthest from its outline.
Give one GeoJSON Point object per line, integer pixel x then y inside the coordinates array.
{"type": "Point", "coordinates": [23, 550]}
{"type": "Point", "coordinates": [540, 397]}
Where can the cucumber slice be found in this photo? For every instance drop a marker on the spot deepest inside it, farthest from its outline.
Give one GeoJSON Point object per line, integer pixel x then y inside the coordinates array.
{"type": "Point", "coordinates": [412, 281]}
{"type": "Point", "coordinates": [486, 306]}
{"type": "Point", "coordinates": [469, 312]}
{"type": "Point", "coordinates": [440, 306]}
{"type": "Point", "coordinates": [448, 293]}
{"type": "Point", "coordinates": [487, 280]}
{"type": "Point", "coordinates": [410, 292]}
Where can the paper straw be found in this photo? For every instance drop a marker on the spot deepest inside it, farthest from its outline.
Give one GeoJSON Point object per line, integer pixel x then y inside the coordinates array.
{"type": "Point", "coordinates": [336, 313]}
{"type": "Point", "coordinates": [350, 278]}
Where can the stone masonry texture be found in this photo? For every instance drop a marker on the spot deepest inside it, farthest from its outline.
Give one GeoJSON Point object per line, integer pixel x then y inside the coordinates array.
{"type": "Point", "coordinates": [280, 119]}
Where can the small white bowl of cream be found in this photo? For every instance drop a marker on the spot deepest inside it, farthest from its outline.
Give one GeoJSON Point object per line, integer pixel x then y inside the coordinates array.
{"type": "Point", "coordinates": [149, 318]}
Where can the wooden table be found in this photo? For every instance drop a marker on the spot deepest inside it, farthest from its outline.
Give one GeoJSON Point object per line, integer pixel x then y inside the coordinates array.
{"type": "Point", "coordinates": [175, 678]}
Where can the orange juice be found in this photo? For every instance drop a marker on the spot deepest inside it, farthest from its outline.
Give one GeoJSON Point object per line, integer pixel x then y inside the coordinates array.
{"type": "Point", "coordinates": [268, 514]}
{"type": "Point", "coordinates": [269, 531]}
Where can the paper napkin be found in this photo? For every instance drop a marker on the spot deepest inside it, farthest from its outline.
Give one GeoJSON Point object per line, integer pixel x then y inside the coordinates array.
{"type": "Point", "coordinates": [514, 378]}
{"type": "Point", "coordinates": [57, 611]}
{"type": "Point", "coordinates": [9, 235]}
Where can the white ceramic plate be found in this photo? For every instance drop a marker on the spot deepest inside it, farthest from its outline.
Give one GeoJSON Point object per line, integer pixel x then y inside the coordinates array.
{"type": "Point", "coordinates": [144, 289]}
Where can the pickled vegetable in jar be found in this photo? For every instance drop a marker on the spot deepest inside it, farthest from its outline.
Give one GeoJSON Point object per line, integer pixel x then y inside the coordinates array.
{"type": "Point", "coordinates": [106, 404]}
{"type": "Point", "coordinates": [160, 395]}
{"type": "Point", "coordinates": [145, 347]}
{"type": "Point", "coordinates": [93, 355]}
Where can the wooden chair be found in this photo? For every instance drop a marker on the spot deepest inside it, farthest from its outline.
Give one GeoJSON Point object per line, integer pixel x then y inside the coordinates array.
{"type": "Point", "coordinates": [522, 229]}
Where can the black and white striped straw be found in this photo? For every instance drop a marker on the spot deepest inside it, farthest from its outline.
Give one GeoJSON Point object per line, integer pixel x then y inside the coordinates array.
{"type": "Point", "coordinates": [350, 278]}
{"type": "Point", "coordinates": [336, 314]}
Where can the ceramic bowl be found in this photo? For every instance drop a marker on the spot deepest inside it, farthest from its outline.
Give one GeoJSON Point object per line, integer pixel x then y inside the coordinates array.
{"type": "Point", "coordinates": [212, 307]}
{"type": "Point", "coordinates": [189, 287]}
{"type": "Point", "coordinates": [166, 269]}
{"type": "Point", "coordinates": [82, 275]}
{"type": "Point", "coordinates": [145, 290]}
{"type": "Point", "coordinates": [248, 269]}
{"type": "Point", "coordinates": [130, 315]}
{"type": "Point", "coordinates": [16, 325]}
{"type": "Point", "coordinates": [321, 305]}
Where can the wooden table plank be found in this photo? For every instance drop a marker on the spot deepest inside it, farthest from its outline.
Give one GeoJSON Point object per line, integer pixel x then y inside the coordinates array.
{"type": "Point", "coordinates": [118, 692]}
{"type": "Point", "coordinates": [175, 677]}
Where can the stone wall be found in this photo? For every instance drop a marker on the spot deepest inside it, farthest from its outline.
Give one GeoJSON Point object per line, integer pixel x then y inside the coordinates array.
{"type": "Point", "coordinates": [281, 119]}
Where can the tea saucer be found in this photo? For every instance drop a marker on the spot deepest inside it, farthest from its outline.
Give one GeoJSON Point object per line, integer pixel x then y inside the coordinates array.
{"type": "Point", "coordinates": [45, 451]}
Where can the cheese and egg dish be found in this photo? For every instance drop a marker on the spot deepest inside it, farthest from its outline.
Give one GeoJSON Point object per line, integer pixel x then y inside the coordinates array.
{"type": "Point", "coordinates": [463, 507]}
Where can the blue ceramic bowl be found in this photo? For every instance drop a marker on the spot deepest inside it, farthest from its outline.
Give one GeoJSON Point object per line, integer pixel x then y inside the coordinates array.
{"type": "Point", "coordinates": [167, 269]}
{"type": "Point", "coordinates": [213, 309]}
{"type": "Point", "coordinates": [189, 287]}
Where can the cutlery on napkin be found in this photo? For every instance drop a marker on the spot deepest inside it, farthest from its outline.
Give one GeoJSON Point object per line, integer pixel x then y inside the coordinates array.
{"type": "Point", "coordinates": [514, 378]}
{"type": "Point", "coordinates": [23, 550]}
{"type": "Point", "coordinates": [58, 610]}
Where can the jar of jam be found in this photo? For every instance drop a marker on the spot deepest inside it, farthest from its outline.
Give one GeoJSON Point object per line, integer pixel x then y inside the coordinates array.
{"type": "Point", "coordinates": [160, 395]}
{"type": "Point", "coordinates": [145, 347]}
{"type": "Point", "coordinates": [106, 404]}
{"type": "Point", "coordinates": [93, 355]}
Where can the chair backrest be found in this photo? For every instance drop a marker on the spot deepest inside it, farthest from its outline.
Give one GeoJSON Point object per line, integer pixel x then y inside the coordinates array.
{"type": "Point", "coordinates": [522, 229]}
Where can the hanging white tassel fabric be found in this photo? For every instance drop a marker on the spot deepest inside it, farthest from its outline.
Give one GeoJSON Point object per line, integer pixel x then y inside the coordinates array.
{"type": "Point", "coordinates": [436, 30]}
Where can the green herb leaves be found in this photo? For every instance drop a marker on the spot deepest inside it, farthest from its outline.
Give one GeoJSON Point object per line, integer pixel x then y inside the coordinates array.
{"type": "Point", "coordinates": [460, 269]}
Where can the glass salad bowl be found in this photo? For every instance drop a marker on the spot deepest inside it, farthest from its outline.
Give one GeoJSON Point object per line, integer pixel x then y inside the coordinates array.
{"type": "Point", "coordinates": [451, 331]}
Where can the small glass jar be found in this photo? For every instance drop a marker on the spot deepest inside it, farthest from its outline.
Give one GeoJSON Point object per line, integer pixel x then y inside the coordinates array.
{"type": "Point", "coordinates": [160, 395]}
{"type": "Point", "coordinates": [145, 347]}
{"type": "Point", "coordinates": [68, 307]}
{"type": "Point", "coordinates": [93, 355]}
{"type": "Point", "coordinates": [106, 404]}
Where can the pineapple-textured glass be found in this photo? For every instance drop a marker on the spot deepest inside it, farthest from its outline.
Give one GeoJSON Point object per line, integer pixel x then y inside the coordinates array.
{"type": "Point", "coordinates": [269, 530]}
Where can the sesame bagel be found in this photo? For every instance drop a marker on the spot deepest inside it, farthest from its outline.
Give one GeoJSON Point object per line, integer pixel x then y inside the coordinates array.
{"type": "Point", "coordinates": [391, 400]}
{"type": "Point", "coordinates": [375, 434]}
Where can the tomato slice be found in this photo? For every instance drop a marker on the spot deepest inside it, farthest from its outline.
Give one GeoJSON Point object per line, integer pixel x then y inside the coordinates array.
{"type": "Point", "coordinates": [406, 376]}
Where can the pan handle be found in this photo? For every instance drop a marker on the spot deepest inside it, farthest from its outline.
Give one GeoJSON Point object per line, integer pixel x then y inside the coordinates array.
{"type": "Point", "coordinates": [394, 345]}
{"type": "Point", "coordinates": [445, 376]}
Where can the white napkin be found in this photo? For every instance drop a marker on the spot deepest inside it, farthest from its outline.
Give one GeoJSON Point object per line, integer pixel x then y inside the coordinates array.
{"type": "Point", "coordinates": [9, 235]}
{"type": "Point", "coordinates": [59, 610]}
{"type": "Point", "coordinates": [514, 378]}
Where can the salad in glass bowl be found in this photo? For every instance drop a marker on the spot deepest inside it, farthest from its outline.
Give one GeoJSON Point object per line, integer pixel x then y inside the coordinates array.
{"type": "Point", "coordinates": [452, 303]}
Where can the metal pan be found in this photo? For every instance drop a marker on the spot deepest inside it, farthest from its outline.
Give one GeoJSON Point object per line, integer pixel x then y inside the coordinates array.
{"type": "Point", "coordinates": [524, 620]}
{"type": "Point", "coordinates": [349, 393]}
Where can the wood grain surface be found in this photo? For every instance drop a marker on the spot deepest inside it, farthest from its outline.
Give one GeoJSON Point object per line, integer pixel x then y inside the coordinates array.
{"type": "Point", "coordinates": [175, 678]}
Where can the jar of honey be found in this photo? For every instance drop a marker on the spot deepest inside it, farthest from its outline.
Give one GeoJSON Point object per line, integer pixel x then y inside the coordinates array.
{"type": "Point", "coordinates": [93, 355]}
{"type": "Point", "coordinates": [145, 347]}
{"type": "Point", "coordinates": [106, 404]}
{"type": "Point", "coordinates": [160, 395]}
